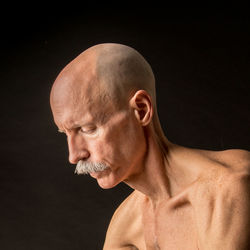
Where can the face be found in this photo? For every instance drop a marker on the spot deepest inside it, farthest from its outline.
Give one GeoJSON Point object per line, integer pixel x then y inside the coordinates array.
{"type": "Point", "coordinates": [98, 133]}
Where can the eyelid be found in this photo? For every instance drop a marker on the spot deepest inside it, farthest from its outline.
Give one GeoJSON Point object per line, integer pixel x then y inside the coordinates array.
{"type": "Point", "coordinates": [88, 130]}
{"type": "Point", "coordinates": [60, 131]}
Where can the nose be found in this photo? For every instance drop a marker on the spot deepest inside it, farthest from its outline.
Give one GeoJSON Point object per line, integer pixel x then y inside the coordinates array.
{"type": "Point", "coordinates": [77, 149]}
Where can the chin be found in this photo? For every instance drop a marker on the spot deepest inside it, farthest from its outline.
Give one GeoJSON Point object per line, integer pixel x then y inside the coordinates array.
{"type": "Point", "coordinates": [107, 180]}
{"type": "Point", "coordinates": [106, 185]}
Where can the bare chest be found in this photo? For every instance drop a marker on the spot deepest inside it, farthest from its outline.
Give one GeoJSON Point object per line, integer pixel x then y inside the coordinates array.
{"type": "Point", "coordinates": [169, 229]}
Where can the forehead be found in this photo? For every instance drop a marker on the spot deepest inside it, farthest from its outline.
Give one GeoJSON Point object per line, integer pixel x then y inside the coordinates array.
{"type": "Point", "coordinates": [78, 93]}
{"type": "Point", "coordinates": [72, 108]}
{"type": "Point", "coordinates": [70, 120]}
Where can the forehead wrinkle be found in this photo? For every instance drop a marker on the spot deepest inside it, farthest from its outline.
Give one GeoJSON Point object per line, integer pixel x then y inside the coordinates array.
{"type": "Point", "coordinates": [74, 94]}
{"type": "Point", "coordinates": [70, 122]}
{"type": "Point", "coordinates": [92, 111]}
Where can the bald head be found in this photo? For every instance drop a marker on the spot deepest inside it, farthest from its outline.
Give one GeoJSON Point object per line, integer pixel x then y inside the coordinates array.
{"type": "Point", "coordinates": [108, 71]}
{"type": "Point", "coordinates": [104, 78]}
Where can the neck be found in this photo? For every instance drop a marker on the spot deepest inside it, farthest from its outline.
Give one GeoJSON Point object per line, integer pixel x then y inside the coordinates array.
{"type": "Point", "coordinates": [152, 177]}
{"type": "Point", "coordinates": [163, 174]}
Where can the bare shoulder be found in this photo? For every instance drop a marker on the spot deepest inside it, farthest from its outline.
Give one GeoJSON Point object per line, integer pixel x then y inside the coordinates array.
{"type": "Point", "coordinates": [233, 170]}
{"type": "Point", "coordinates": [224, 183]}
{"type": "Point", "coordinates": [221, 203]}
{"type": "Point", "coordinates": [125, 230]}
{"type": "Point", "coordinates": [225, 169]}
{"type": "Point", "coordinates": [236, 159]}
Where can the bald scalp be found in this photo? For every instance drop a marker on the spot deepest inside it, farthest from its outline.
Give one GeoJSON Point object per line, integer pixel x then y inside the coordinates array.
{"type": "Point", "coordinates": [122, 71]}
{"type": "Point", "coordinates": [118, 71]}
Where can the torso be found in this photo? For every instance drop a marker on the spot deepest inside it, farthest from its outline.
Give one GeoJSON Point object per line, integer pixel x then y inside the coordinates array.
{"type": "Point", "coordinates": [171, 224]}
{"type": "Point", "coordinates": [169, 228]}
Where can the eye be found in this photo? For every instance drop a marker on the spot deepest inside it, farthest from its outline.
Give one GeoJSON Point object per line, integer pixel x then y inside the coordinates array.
{"type": "Point", "coordinates": [88, 130]}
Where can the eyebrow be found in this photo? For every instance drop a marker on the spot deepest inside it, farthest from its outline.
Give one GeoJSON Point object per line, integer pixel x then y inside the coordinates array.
{"type": "Point", "coordinates": [75, 126]}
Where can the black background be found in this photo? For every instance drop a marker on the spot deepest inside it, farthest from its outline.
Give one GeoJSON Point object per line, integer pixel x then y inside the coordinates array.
{"type": "Point", "coordinates": [200, 58]}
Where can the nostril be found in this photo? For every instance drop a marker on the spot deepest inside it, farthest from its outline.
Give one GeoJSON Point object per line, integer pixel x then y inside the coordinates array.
{"type": "Point", "coordinates": [86, 155]}
{"type": "Point", "coordinates": [75, 157]}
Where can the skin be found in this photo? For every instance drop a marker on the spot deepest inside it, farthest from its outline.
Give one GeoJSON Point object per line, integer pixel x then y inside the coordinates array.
{"type": "Point", "coordinates": [183, 198]}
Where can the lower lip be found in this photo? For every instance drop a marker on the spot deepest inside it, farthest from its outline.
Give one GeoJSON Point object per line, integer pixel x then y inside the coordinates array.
{"type": "Point", "coordinates": [98, 174]}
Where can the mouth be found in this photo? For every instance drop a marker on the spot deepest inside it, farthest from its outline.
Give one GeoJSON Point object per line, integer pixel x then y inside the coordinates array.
{"type": "Point", "coordinates": [99, 173]}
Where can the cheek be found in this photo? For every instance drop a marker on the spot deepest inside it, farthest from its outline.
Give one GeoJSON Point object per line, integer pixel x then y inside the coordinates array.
{"type": "Point", "coordinates": [96, 148]}
{"type": "Point", "coordinates": [136, 143]}
{"type": "Point", "coordinates": [121, 144]}
{"type": "Point", "coordinates": [127, 142]}
{"type": "Point", "coordinates": [104, 149]}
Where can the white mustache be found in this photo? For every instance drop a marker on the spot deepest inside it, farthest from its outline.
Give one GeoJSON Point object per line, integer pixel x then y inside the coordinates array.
{"type": "Point", "coordinates": [83, 167]}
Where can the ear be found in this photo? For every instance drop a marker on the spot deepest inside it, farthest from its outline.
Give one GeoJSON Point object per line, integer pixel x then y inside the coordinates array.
{"type": "Point", "coordinates": [141, 102]}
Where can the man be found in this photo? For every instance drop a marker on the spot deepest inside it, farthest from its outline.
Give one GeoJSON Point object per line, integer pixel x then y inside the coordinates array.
{"type": "Point", "coordinates": [183, 198]}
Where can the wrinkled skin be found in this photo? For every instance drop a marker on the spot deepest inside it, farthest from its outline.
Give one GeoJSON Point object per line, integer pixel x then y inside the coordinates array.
{"type": "Point", "coordinates": [184, 198]}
